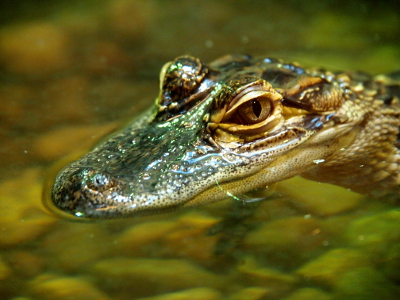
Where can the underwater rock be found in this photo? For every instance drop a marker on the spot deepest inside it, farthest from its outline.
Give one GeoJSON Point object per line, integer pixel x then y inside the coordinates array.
{"type": "Point", "coordinates": [59, 142]}
{"type": "Point", "coordinates": [25, 264]}
{"type": "Point", "coordinates": [140, 239]}
{"type": "Point", "coordinates": [288, 240]}
{"type": "Point", "coordinates": [35, 49]}
{"type": "Point", "coordinates": [5, 270]}
{"type": "Point", "coordinates": [64, 101]}
{"type": "Point", "coordinates": [251, 293]}
{"type": "Point", "coordinates": [309, 294]}
{"type": "Point", "coordinates": [184, 237]}
{"type": "Point", "coordinates": [192, 294]}
{"type": "Point", "coordinates": [277, 284]}
{"type": "Point", "coordinates": [390, 263]}
{"type": "Point", "coordinates": [74, 246]}
{"type": "Point", "coordinates": [147, 276]}
{"type": "Point", "coordinates": [375, 234]}
{"type": "Point", "coordinates": [190, 239]}
{"type": "Point", "coordinates": [48, 287]}
{"type": "Point", "coordinates": [130, 19]}
{"type": "Point", "coordinates": [319, 198]}
{"type": "Point", "coordinates": [330, 267]}
{"type": "Point", "coordinates": [365, 283]}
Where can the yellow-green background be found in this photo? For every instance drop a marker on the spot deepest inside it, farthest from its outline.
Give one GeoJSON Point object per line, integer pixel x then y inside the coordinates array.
{"type": "Point", "coordinates": [71, 71]}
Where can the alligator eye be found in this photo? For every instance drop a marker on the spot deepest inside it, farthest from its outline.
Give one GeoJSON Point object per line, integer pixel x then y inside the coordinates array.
{"type": "Point", "coordinates": [255, 110]}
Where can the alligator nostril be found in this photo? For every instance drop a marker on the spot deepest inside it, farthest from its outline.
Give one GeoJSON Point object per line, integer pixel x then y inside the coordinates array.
{"type": "Point", "coordinates": [97, 181]}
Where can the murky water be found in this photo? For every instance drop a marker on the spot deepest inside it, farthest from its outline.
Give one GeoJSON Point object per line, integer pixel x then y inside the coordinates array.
{"type": "Point", "coordinates": [70, 73]}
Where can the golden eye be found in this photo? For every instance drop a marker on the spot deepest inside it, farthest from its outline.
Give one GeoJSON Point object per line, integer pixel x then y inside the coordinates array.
{"type": "Point", "coordinates": [254, 111]}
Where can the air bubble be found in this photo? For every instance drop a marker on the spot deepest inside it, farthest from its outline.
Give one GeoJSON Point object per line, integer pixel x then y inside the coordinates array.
{"type": "Point", "coordinates": [318, 161]}
{"type": "Point", "coordinates": [121, 148]}
{"type": "Point", "coordinates": [209, 43]}
{"type": "Point", "coordinates": [146, 176]}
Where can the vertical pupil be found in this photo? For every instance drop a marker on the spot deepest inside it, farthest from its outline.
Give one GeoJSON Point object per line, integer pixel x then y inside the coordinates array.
{"type": "Point", "coordinates": [256, 106]}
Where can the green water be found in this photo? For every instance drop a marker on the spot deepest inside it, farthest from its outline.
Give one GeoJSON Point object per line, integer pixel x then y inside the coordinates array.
{"type": "Point", "coordinates": [72, 71]}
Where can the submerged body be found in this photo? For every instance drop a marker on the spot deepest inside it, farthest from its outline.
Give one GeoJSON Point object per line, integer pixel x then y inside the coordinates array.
{"type": "Point", "coordinates": [235, 125]}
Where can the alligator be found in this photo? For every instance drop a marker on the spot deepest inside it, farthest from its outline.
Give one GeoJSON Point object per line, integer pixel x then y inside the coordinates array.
{"type": "Point", "coordinates": [235, 125]}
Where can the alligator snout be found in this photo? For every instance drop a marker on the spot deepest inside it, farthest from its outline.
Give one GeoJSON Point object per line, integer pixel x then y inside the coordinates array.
{"type": "Point", "coordinates": [83, 190]}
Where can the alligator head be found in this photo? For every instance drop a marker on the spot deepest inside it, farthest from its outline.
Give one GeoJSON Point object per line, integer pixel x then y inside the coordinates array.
{"type": "Point", "coordinates": [225, 129]}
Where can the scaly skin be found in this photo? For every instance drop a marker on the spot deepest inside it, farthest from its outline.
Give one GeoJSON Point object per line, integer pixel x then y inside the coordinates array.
{"type": "Point", "coordinates": [239, 124]}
